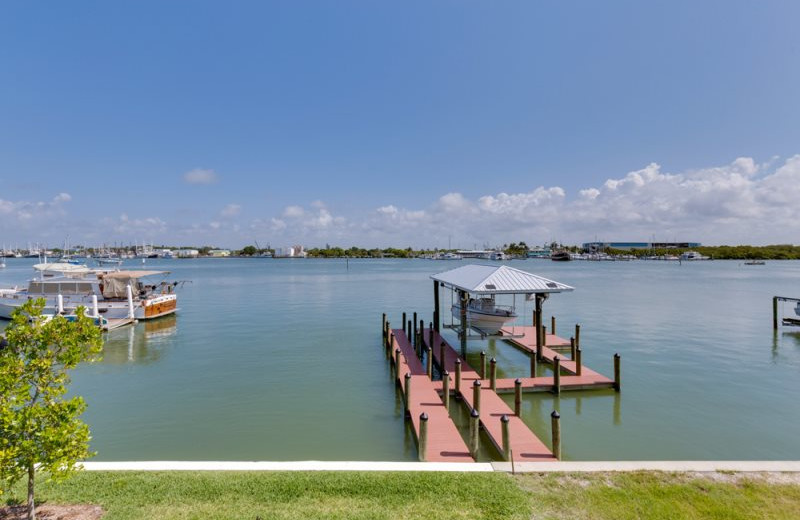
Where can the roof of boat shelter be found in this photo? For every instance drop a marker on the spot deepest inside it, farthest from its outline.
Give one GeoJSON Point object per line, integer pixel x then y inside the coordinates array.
{"type": "Point", "coordinates": [489, 279]}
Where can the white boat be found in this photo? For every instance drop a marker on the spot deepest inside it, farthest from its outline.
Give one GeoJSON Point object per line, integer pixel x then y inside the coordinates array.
{"type": "Point", "coordinates": [693, 255]}
{"type": "Point", "coordinates": [119, 294]}
{"type": "Point", "coordinates": [446, 256]}
{"type": "Point", "coordinates": [498, 255]}
{"type": "Point", "coordinates": [484, 314]}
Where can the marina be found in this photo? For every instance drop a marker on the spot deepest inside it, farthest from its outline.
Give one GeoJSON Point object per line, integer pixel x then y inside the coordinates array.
{"type": "Point", "coordinates": [282, 361]}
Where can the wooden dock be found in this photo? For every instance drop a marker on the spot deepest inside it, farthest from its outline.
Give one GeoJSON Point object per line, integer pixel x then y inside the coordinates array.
{"type": "Point", "coordinates": [444, 442]}
{"type": "Point", "coordinates": [525, 445]}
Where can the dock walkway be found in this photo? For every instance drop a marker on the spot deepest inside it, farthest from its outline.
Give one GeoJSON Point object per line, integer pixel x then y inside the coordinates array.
{"type": "Point", "coordinates": [444, 442]}
{"type": "Point", "coordinates": [525, 446]}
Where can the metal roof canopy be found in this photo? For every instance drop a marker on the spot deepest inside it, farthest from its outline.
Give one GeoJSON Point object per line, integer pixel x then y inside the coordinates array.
{"type": "Point", "coordinates": [489, 279]}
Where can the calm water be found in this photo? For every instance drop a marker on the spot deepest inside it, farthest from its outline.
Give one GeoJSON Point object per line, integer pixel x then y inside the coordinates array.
{"type": "Point", "coordinates": [281, 360]}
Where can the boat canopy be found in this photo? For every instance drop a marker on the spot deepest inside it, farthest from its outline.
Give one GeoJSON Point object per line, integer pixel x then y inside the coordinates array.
{"type": "Point", "coordinates": [115, 283]}
{"type": "Point", "coordinates": [488, 279]}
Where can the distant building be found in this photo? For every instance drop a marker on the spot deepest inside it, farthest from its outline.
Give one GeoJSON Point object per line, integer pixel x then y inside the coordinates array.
{"type": "Point", "coordinates": [290, 252]}
{"type": "Point", "coordinates": [187, 253]}
{"type": "Point", "coordinates": [593, 247]}
{"type": "Point", "coordinates": [219, 253]}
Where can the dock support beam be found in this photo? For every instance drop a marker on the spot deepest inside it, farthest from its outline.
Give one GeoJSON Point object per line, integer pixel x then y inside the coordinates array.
{"type": "Point", "coordinates": [617, 376]}
{"type": "Point", "coordinates": [463, 317]}
{"type": "Point", "coordinates": [407, 394]}
{"type": "Point", "coordinates": [538, 320]}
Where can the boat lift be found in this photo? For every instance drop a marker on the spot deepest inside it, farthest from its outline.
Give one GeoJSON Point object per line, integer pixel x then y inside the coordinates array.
{"type": "Point", "coordinates": [787, 321]}
{"type": "Point", "coordinates": [486, 281]}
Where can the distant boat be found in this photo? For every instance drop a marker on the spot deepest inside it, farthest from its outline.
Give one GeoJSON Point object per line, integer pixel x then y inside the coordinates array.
{"type": "Point", "coordinates": [561, 256]}
{"type": "Point", "coordinates": [693, 255]}
{"type": "Point", "coordinates": [754, 262]}
{"type": "Point", "coordinates": [446, 256]}
{"type": "Point", "coordinates": [498, 255]}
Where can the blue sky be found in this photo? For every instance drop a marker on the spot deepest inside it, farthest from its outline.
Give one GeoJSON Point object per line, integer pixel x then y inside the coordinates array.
{"type": "Point", "coordinates": [404, 123]}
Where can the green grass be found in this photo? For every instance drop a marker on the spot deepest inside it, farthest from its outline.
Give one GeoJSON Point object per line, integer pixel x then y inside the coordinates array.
{"type": "Point", "coordinates": [429, 496]}
{"type": "Point", "coordinates": [290, 495]}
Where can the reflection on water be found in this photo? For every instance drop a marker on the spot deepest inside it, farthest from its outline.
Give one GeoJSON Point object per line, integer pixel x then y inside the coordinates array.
{"type": "Point", "coordinates": [143, 343]}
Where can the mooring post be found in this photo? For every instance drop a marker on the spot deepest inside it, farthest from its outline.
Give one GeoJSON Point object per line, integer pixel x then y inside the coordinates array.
{"type": "Point", "coordinates": [442, 351]}
{"type": "Point", "coordinates": [408, 334]}
{"type": "Point", "coordinates": [538, 321]}
{"type": "Point", "coordinates": [577, 335]}
{"type": "Point", "coordinates": [404, 324]}
{"type": "Point", "coordinates": [544, 335]}
{"type": "Point", "coordinates": [572, 348]}
{"type": "Point", "coordinates": [775, 313]}
{"type": "Point", "coordinates": [556, 426]}
{"type": "Point", "coordinates": [421, 332]}
{"type": "Point", "coordinates": [429, 368]}
{"type": "Point", "coordinates": [493, 374]}
{"type": "Point", "coordinates": [423, 437]}
{"type": "Point", "coordinates": [483, 364]}
{"type": "Point", "coordinates": [474, 432]}
{"type": "Point", "coordinates": [383, 327]}
{"type": "Point", "coordinates": [533, 365]}
{"type": "Point", "coordinates": [458, 377]}
{"type": "Point", "coordinates": [397, 361]}
{"type": "Point", "coordinates": [415, 329]}
{"type": "Point", "coordinates": [553, 325]}
{"type": "Point", "coordinates": [476, 395]}
{"type": "Point", "coordinates": [556, 375]}
{"type": "Point", "coordinates": [388, 337]}
{"type": "Point", "coordinates": [446, 390]}
{"type": "Point", "coordinates": [578, 364]}
{"type": "Point", "coordinates": [430, 335]}
{"type": "Point", "coordinates": [435, 305]}
{"type": "Point", "coordinates": [617, 377]}
{"type": "Point", "coordinates": [517, 396]}
{"type": "Point", "coordinates": [463, 320]}
{"type": "Point", "coordinates": [407, 393]}
{"type": "Point", "coordinates": [506, 437]}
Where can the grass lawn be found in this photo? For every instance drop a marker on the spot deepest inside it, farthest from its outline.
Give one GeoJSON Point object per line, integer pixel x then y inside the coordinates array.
{"type": "Point", "coordinates": [290, 495]}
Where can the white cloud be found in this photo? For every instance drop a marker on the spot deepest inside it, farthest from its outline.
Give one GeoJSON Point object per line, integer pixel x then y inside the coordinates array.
{"type": "Point", "coordinates": [293, 212]}
{"type": "Point", "coordinates": [200, 176]}
{"type": "Point", "coordinates": [231, 210]}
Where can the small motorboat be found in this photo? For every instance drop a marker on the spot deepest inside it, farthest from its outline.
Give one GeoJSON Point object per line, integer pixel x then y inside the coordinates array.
{"type": "Point", "coordinates": [561, 256]}
{"type": "Point", "coordinates": [485, 315]}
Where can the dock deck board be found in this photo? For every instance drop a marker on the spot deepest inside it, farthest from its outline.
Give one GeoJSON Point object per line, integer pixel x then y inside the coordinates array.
{"type": "Point", "coordinates": [444, 441]}
{"type": "Point", "coordinates": [525, 445]}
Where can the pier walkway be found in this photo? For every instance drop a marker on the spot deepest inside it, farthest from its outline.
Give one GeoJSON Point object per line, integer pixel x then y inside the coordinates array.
{"type": "Point", "coordinates": [444, 442]}
{"type": "Point", "coordinates": [525, 446]}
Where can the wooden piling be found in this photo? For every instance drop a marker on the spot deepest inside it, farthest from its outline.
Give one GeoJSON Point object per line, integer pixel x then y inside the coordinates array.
{"type": "Point", "coordinates": [383, 328]}
{"type": "Point", "coordinates": [555, 424]}
{"type": "Point", "coordinates": [775, 313]}
{"type": "Point", "coordinates": [578, 364]}
{"type": "Point", "coordinates": [544, 335]}
{"type": "Point", "coordinates": [458, 377]}
{"type": "Point", "coordinates": [423, 436]}
{"type": "Point", "coordinates": [429, 367]}
{"type": "Point", "coordinates": [572, 348]}
{"type": "Point", "coordinates": [506, 437]}
{"type": "Point", "coordinates": [476, 395]}
{"type": "Point", "coordinates": [435, 306]}
{"type": "Point", "coordinates": [404, 324]}
{"type": "Point", "coordinates": [474, 433]}
{"type": "Point", "coordinates": [407, 393]}
{"type": "Point", "coordinates": [517, 396]}
{"type": "Point", "coordinates": [408, 334]}
{"type": "Point", "coordinates": [534, 364]}
{"type": "Point", "coordinates": [617, 376]}
{"type": "Point", "coordinates": [556, 375]}
{"type": "Point", "coordinates": [387, 344]}
{"type": "Point", "coordinates": [493, 374]}
{"type": "Point", "coordinates": [430, 334]}
{"type": "Point", "coordinates": [577, 335]}
{"type": "Point", "coordinates": [483, 364]}
{"type": "Point", "coordinates": [553, 325]}
{"type": "Point", "coordinates": [415, 328]}
{"type": "Point", "coordinates": [446, 390]}
{"type": "Point", "coordinates": [397, 360]}
{"type": "Point", "coordinates": [442, 351]}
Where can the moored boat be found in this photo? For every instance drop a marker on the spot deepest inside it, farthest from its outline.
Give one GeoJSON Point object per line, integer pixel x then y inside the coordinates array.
{"type": "Point", "coordinates": [484, 314]}
{"type": "Point", "coordinates": [561, 256]}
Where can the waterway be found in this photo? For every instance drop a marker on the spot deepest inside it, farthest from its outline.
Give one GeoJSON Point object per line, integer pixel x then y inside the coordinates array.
{"type": "Point", "coordinates": [281, 360]}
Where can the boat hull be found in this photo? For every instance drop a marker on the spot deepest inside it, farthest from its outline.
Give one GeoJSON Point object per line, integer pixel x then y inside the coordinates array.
{"type": "Point", "coordinates": [485, 321]}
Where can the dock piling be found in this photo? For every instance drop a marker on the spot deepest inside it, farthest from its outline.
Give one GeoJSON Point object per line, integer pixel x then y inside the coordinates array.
{"type": "Point", "coordinates": [483, 364]}
{"type": "Point", "coordinates": [458, 377]}
{"type": "Point", "coordinates": [397, 360]}
{"type": "Point", "coordinates": [476, 395]}
{"type": "Point", "coordinates": [404, 324]}
{"type": "Point", "coordinates": [446, 390]}
{"type": "Point", "coordinates": [383, 327]}
{"type": "Point", "coordinates": [617, 376]}
{"type": "Point", "coordinates": [534, 364]}
{"type": "Point", "coordinates": [556, 427]}
{"type": "Point", "coordinates": [775, 313]}
{"type": "Point", "coordinates": [572, 348]}
{"type": "Point", "coordinates": [415, 329]}
{"type": "Point", "coordinates": [577, 335]}
{"type": "Point", "coordinates": [423, 437]}
{"type": "Point", "coordinates": [506, 437]}
{"type": "Point", "coordinates": [517, 396]}
{"type": "Point", "coordinates": [556, 375]}
{"type": "Point", "coordinates": [553, 325]}
{"type": "Point", "coordinates": [442, 353]}
{"type": "Point", "coordinates": [578, 364]}
{"type": "Point", "coordinates": [429, 368]}
{"type": "Point", "coordinates": [407, 393]}
{"type": "Point", "coordinates": [474, 433]}
{"type": "Point", "coordinates": [493, 374]}
{"type": "Point", "coordinates": [430, 334]}
{"type": "Point", "coordinates": [544, 335]}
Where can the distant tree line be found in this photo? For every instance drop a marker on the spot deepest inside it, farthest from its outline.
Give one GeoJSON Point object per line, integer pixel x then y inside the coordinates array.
{"type": "Point", "coordinates": [771, 252]}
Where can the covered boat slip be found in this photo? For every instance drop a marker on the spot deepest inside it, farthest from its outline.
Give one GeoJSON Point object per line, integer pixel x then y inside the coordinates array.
{"type": "Point", "coordinates": [482, 283]}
